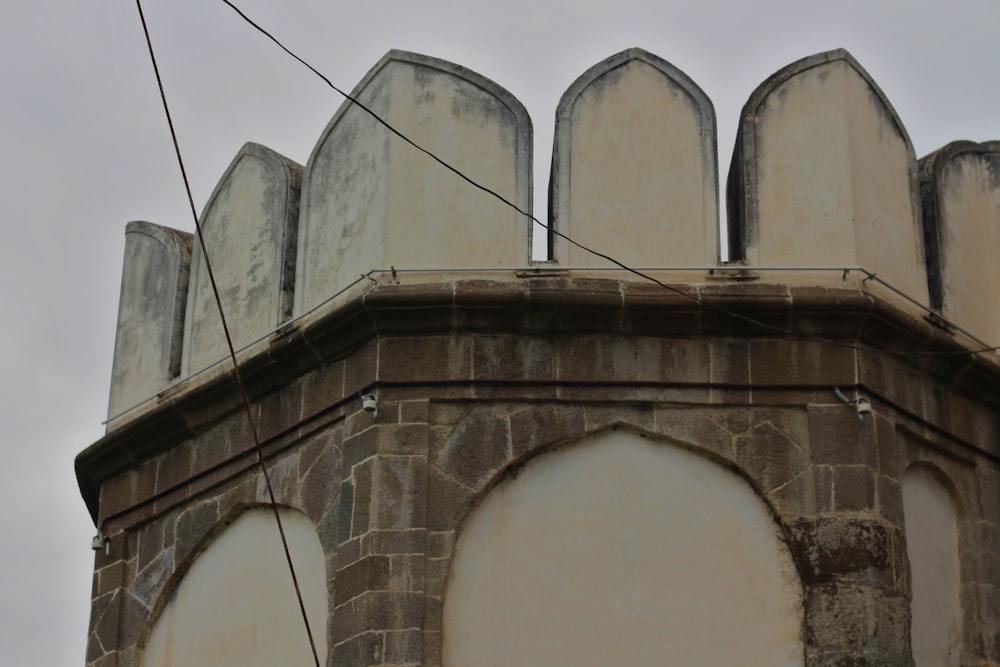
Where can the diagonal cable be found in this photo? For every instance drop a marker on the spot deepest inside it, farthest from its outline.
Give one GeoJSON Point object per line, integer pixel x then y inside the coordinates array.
{"type": "Point", "coordinates": [552, 230]}
{"type": "Point", "coordinates": [229, 341]}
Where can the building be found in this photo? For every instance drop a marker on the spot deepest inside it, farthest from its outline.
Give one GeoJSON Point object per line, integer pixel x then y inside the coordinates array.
{"type": "Point", "coordinates": [789, 459]}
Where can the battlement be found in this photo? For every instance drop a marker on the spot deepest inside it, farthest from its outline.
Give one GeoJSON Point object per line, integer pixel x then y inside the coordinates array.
{"type": "Point", "coordinates": [823, 176]}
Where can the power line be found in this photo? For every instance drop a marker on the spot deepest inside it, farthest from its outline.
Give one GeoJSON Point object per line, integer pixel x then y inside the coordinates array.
{"type": "Point", "coordinates": [552, 230]}
{"type": "Point", "coordinates": [229, 340]}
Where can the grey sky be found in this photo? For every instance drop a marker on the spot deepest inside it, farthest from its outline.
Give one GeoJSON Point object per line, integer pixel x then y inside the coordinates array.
{"type": "Point", "coordinates": [87, 150]}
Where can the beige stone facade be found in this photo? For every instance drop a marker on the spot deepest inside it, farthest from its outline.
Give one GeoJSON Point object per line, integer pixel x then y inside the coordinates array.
{"type": "Point", "coordinates": [565, 467]}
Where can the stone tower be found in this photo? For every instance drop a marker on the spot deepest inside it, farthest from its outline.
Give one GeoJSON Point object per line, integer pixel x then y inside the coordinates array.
{"type": "Point", "coordinates": [792, 458]}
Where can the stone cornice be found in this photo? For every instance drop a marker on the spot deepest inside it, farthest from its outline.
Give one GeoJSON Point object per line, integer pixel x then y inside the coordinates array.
{"type": "Point", "coordinates": [544, 307]}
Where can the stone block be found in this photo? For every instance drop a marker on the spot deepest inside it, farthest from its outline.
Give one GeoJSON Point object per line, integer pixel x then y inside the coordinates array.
{"type": "Point", "coordinates": [446, 413]}
{"type": "Point", "coordinates": [791, 422]}
{"type": "Point", "coordinates": [635, 140]}
{"type": "Point", "coordinates": [393, 542]}
{"type": "Point", "coordinates": [672, 360]}
{"type": "Point", "coordinates": [104, 614]}
{"type": "Point", "coordinates": [989, 495]}
{"type": "Point", "coordinates": [284, 476]}
{"type": "Point", "coordinates": [541, 426]}
{"type": "Point", "coordinates": [118, 493]}
{"type": "Point", "coordinates": [192, 527]}
{"type": "Point", "coordinates": [322, 388]}
{"type": "Point", "coordinates": [440, 543]}
{"type": "Point", "coordinates": [150, 543]}
{"type": "Point", "coordinates": [217, 445]}
{"type": "Point", "coordinates": [835, 547]}
{"type": "Point", "coordinates": [432, 649]}
{"type": "Point", "coordinates": [489, 305]}
{"type": "Point", "coordinates": [150, 581]}
{"type": "Point", "coordinates": [599, 417]}
{"type": "Point", "coordinates": [174, 467]}
{"type": "Point", "coordinates": [345, 512]}
{"type": "Point", "coordinates": [960, 189]}
{"type": "Point", "coordinates": [784, 362]}
{"type": "Point", "coordinates": [398, 499]}
{"type": "Point", "coordinates": [655, 310]}
{"type": "Point", "coordinates": [436, 575]}
{"type": "Point", "coordinates": [838, 437]}
{"type": "Point", "coordinates": [361, 206]}
{"type": "Point", "coordinates": [853, 488]}
{"type": "Point", "coordinates": [575, 305]}
{"type": "Point", "coordinates": [597, 359]}
{"type": "Point", "coordinates": [447, 500]}
{"type": "Point", "coordinates": [359, 650]}
{"type": "Point", "coordinates": [694, 427]}
{"type": "Point", "coordinates": [249, 227]}
{"type": "Point", "coordinates": [407, 439]}
{"type": "Point", "coordinates": [823, 476]}
{"type": "Point", "coordinates": [109, 578]}
{"type": "Point", "coordinates": [239, 492]}
{"type": "Point", "coordinates": [361, 369]}
{"type": "Point", "coordinates": [824, 174]}
{"type": "Point", "coordinates": [859, 619]}
{"type": "Point", "coordinates": [317, 486]}
{"type": "Point", "coordinates": [407, 572]}
{"type": "Point", "coordinates": [361, 519]}
{"type": "Point", "coordinates": [769, 457]}
{"type": "Point", "coordinates": [513, 358]}
{"type": "Point", "coordinates": [149, 337]}
{"type": "Point", "coordinates": [430, 358]}
{"type": "Point", "coordinates": [110, 660]}
{"type": "Point", "coordinates": [729, 362]}
{"type": "Point", "coordinates": [403, 647]}
{"type": "Point", "coordinates": [368, 574]}
{"type": "Point", "coordinates": [830, 312]}
{"type": "Point", "coordinates": [478, 447]}
{"type": "Point", "coordinates": [744, 308]}
{"type": "Point", "coordinates": [414, 411]}
{"type": "Point", "coordinates": [796, 497]}
{"type": "Point", "coordinates": [378, 611]}
{"type": "Point", "coordinates": [890, 500]}
{"type": "Point", "coordinates": [280, 411]}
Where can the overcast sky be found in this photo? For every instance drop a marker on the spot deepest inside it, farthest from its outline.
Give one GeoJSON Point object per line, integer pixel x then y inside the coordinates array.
{"type": "Point", "coordinates": [88, 150]}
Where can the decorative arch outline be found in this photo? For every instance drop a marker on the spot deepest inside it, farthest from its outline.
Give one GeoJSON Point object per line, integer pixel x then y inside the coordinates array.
{"type": "Point", "coordinates": [225, 628]}
{"type": "Point", "coordinates": [932, 553]}
{"type": "Point", "coordinates": [509, 475]}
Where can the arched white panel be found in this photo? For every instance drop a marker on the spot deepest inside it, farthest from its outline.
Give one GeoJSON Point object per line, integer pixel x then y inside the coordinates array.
{"type": "Point", "coordinates": [619, 551]}
{"type": "Point", "coordinates": [931, 523]}
{"type": "Point", "coordinates": [236, 606]}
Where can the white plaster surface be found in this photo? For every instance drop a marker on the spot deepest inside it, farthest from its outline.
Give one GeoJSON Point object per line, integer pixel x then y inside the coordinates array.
{"type": "Point", "coordinates": [620, 551]}
{"type": "Point", "coordinates": [931, 524]}
{"type": "Point", "coordinates": [150, 315]}
{"type": "Point", "coordinates": [969, 194]}
{"type": "Point", "coordinates": [236, 606]}
{"type": "Point", "coordinates": [372, 201]}
{"type": "Point", "coordinates": [836, 180]}
{"type": "Point", "coordinates": [246, 223]}
{"type": "Point", "coordinates": [636, 169]}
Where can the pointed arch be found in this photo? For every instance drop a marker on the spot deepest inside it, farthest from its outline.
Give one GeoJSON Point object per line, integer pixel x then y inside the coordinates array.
{"type": "Point", "coordinates": [931, 517]}
{"type": "Point", "coordinates": [635, 145]}
{"type": "Point", "coordinates": [250, 228]}
{"type": "Point", "coordinates": [824, 173]}
{"type": "Point", "coordinates": [619, 550]}
{"type": "Point", "coordinates": [236, 606]}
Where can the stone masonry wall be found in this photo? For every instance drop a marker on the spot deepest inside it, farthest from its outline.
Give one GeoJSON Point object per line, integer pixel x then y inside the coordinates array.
{"type": "Point", "coordinates": [460, 411]}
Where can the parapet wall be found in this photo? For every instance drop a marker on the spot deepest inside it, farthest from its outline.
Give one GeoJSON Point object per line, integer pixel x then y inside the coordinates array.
{"type": "Point", "coordinates": [823, 176]}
